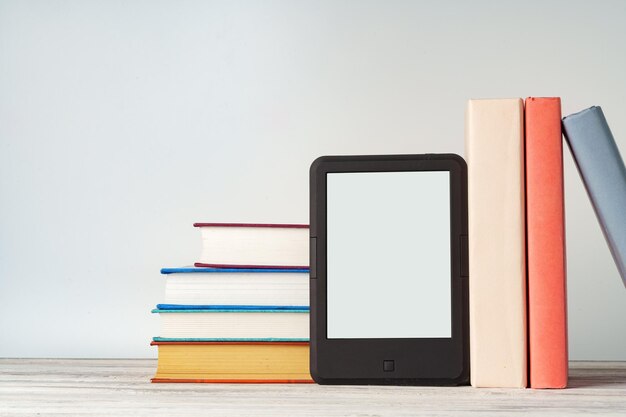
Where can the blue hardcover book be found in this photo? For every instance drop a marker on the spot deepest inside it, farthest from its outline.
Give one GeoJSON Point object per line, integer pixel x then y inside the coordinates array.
{"type": "Point", "coordinates": [226, 339]}
{"type": "Point", "coordinates": [275, 288]}
{"type": "Point", "coordinates": [167, 308]}
{"type": "Point", "coordinates": [604, 175]}
{"type": "Point", "coordinates": [235, 323]}
{"type": "Point", "coordinates": [241, 308]}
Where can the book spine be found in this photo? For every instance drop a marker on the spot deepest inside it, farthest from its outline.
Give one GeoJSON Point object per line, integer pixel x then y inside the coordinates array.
{"type": "Point", "coordinates": [494, 135]}
{"type": "Point", "coordinates": [545, 222]}
{"type": "Point", "coordinates": [604, 175]}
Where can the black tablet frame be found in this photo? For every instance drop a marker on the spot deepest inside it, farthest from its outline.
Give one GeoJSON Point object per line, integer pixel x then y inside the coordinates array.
{"type": "Point", "coordinates": [426, 361]}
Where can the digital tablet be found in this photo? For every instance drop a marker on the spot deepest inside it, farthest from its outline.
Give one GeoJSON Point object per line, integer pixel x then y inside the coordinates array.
{"type": "Point", "coordinates": [389, 270]}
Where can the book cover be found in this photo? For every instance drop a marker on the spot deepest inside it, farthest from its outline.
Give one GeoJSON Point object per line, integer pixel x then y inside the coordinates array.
{"type": "Point", "coordinates": [233, 362]}
{"type": "Point", "coordinates": [545, 223]}
{"type": "Point", "coordinates": [229, 339]}
{"type": "Point", "coordinates": [254, 245]}
{"type": "Point", "coordinates": [494, 135]}
{"type": "Point", "coordinates": [229, 309]}
{"type": "Point", "coordinates": [602, 170]}
{"type": "Point", "coordinates": [236, 287]}
{"type": "Point", "coordinates": [160, 308]}
{"type": "Point", "coordinates": [234, 322]}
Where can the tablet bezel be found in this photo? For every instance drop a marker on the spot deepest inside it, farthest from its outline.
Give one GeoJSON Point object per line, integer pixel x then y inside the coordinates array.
{"type": "Point", "coordinates": [423, 361]}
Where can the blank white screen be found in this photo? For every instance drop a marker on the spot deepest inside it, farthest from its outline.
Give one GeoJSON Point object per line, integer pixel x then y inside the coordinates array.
{"type": "Point", "coordinates": [388, 255]}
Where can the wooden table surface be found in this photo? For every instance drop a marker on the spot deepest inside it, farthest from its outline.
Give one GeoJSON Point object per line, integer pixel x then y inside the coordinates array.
{"type": "Point", "coordinates": [73, 387]}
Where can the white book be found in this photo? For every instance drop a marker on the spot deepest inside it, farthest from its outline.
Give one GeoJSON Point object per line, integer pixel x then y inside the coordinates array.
{"type": "Point", "coordinates": [244, 324]}
{"type": "Point", "coordinates": [494, 135]}
{"type": "Point", "coordinates": [236, 287]}
{"type": "Point", "coordinates": [238, 245]}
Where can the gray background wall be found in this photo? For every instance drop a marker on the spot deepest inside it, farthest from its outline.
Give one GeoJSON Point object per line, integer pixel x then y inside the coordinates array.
{"type": "Point", "coordinates": [122, 123]}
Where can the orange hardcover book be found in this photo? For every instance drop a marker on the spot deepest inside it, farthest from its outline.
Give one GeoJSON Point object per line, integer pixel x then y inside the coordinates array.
{"type": "Point", "coordinates": [233, 362]}
{"type": "Point", "coordinates": [547, 306]}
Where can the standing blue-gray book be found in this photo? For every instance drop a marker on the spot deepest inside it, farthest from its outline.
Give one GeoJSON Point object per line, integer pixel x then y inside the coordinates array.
{"type": "Point", "coordinates": [604, 175]}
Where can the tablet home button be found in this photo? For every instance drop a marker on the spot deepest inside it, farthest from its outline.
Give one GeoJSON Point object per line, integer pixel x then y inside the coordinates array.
{"type": "Point", "coordinates": [388, 366]}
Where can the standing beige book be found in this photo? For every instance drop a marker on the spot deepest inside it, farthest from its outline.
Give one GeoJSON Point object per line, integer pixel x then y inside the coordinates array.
{"type": "Point", "coordinates": [494, 140]}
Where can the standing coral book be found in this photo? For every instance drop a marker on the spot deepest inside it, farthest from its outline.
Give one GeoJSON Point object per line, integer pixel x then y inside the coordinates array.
{"type": "Point", "coordinates": [545, 222]}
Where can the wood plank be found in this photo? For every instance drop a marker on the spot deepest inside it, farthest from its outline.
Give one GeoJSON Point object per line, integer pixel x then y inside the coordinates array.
{"type": "Point", "coordinates": [116, 387]}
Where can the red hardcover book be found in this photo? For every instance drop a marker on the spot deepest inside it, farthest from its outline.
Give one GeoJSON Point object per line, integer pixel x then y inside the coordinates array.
{"type": "Point", "coordinates": [253, 245]}
{"type": "Point", "coordinates": [547, 307]}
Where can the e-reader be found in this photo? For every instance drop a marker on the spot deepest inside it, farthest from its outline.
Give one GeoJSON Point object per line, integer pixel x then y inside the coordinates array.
{"type": "Point", "coordinates": [389, 270]}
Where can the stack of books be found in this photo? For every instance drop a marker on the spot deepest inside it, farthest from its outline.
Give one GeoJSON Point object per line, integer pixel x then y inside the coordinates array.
{"type": "Point", "coordinates": [241, 314]}
{"type": "Point", "coordinates": [518, 309]}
